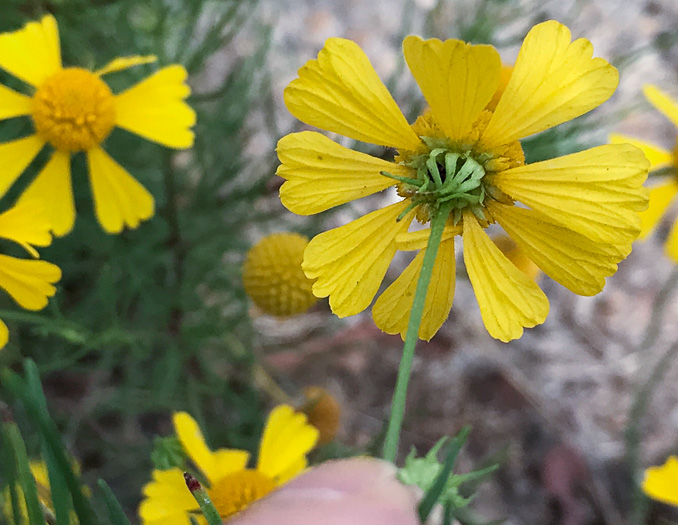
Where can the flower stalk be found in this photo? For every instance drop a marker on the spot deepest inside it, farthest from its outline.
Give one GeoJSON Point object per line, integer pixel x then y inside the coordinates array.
{"type": "Point", "coordinates": [200, 494]}
{"type": "Point", "coordinates": [405, 369]}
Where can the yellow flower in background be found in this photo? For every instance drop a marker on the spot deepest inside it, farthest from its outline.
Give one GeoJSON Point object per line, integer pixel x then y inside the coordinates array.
{"type": "Point", "coordinates": [661, 483]}
{"type": "Point", "coordinates": [29, 282]}
{"type": "Point", "coordinates": [577, 215]}
{"type": "Point", "coordinates": [74, 110]}
{"type": "Point", "coordinates": [323, 412]}
{"type": "Point", "coordinates": [232, 486]}
{"type": "Point", "coordinates": [273, 277]}
{"type": "Point", "coordinates": [517, 256]}
{"type": "Point", "coordinates": [41, 476]}
{"type": "Point", "coordinates": [663, 189]}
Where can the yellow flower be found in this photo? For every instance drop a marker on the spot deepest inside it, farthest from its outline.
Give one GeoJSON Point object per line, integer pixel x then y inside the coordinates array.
{"type": "Point", "coordinates": [73, 110]}
{"type": "Point", "coordinates": [517, 256]}
{"type": "Point", "coordinates": [577, 215]}
{"type": "Point", "coordinates": [273, 277]}
{"type": "Point", "coordinates": [232, 486]}
{"type": "Point", "coordinates": [661, 483]}
{"type": "Point", "coordinates": [29, 282]}
{"type": "Point", "coordinates": [323, 412]}
{"type": "Point", "coordinates": [663, 189]}
{"type": "Point", "coordinates": [41, 476]}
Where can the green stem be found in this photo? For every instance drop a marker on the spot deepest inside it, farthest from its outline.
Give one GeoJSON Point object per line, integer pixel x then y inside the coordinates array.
{"type": "Point", "coordinates": [208, 509]}
{"type": "Point", "coordinates": [395, 422]}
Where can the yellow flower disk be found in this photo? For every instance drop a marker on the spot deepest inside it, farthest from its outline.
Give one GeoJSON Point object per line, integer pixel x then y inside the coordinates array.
{"type": "Point", "coordinates": [273, 276]}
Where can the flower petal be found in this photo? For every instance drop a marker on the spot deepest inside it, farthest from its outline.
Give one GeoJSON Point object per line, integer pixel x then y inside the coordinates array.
{"type": "Point", "coordinates": [26, 224]}
{"type": "Point", "coordinates": [214, 465]}
{"type": "Point", "coordinates": [508, 299]}
{"type": "Point", "coordinates": [391, 311]}
{"type": "Point", "coordinates": [660, 482]}
{"type": "Point", "coordinates": [350, 262]}
{"type": "Point", "coordinates": [322, 174]}
{"type": "Point", "coordinates": [53, 193]}
{"type": "Point", "coordinates": [662, 102]}
{"type": "Point", "coordinates": [122, 63]}
{"type": "Point", "coordinates": [155, 108]}
{"type": "Point", "coordinates": [341, 92]}
{"type": "Point", "coordinates": [16, 156]}
{"type": "Point", "coordinates": [4, 334]}
{"type": "Point", "coordinates": [119, 199]}
{"type": "Point", "coordinates": [569, 258]}
{"type": "Point", "coordinates": [32, 53]}
{"type": "Point", "coordinates": [553, 81]}
{"type": "Point", "coordinates": [13, 104]}
{"type": "Point", "coordinates": [457, 79]}
{"type": "Point", "coordinates": [517, 256]}
{"type": "Point", "coordinates": [658, 157]}
{"type": "Point", "coordinates": [596, 192]}
{"type": "Point", "coordinates": [167, 500]}
{"type": "Point", "coordinates": [29, 282]}
{"type": "Point", "coordinates": [287, 438]}
{"type": "Point", "coordinates": [661, 197]}
{"type": "Point", "coordinates": [671, 246]}
{"type": "Point", "coordinates": [417, 240]}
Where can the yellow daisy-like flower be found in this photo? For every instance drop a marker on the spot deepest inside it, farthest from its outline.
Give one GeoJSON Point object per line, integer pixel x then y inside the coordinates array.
{"type": "Point", "coordinates": [44, 489]}
{"type": "Point", "coordinates": [577, 215]}
{"type": "Point", "coordinates": [29, 282]}
{"type": "Point", "coordinates": [74, 110]}
{"type": "Point", "coordinates": [663, 189]}
{"type": "Point", "coordinates": [661, 483]}
{"type": "Point", "coordinates": [273, 277]}
{"type": "Point", "coordinates": [287, 438]}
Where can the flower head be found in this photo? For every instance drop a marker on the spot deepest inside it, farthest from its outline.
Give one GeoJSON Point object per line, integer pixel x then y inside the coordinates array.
{"type": "Point", "coordinates": [74, 110]}
{"type": "Point", "coordinates": [664, 188]}
{"type": "Point", "coordinates": [574, 216]}
{"type": "Point", "coordinates": [323, 412]}
{"type": "Point", "coordinates": [661, 483]}
{"type": "Point", "coordinates": [232, 486]}
{"type": "Point", "coordinates": [29, 282]}
{"type": "Point", "coordinates": [273, 276]}
{"type": "Point", "coordinates": [44, 489]}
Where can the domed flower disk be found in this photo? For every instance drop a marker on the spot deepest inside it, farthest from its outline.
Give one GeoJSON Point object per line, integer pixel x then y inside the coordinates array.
{"type": "Point", "coordinates": [575, 216]}
{"type": "Point", "coordinates": [73, 110]}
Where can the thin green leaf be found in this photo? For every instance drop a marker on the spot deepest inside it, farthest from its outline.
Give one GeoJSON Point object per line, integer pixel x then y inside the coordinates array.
{"type": "Point", "coordinates": [61, 498]}
{"type": "Point", "coordinates": [115, 513]}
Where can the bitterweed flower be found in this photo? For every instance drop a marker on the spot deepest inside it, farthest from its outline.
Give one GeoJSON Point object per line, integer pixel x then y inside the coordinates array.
{"type": "Point", "coordinates": [664, 187]}
{"type": "Point", "coordinates": [459, 168]}
{"type": "Point", "coordinates": [231, 485]}
{"type": "Point", "coordinates": [661, 483]}
{"type": "Point", "coordinates": [273, 277]}
{"type": "Point", "coordinates": [73, 110]}
{"type": "Point", "coordinates": [29, 282]}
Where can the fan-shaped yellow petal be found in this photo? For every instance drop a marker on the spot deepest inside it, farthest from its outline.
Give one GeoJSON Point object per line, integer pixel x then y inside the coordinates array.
{"type": "Point", "coordinates": [119, 199]}
{"type": "Point", "coordinates": [663, 102]}
{"type": "Point", "coordinates": [322, 174]}
{"type": "Point", "coordinates": [350, 262]}
{"type": "Point", "coordinates": [661, 483]}
{"type": "Point", "coordinates": [457, 79]}
{"type": "Point", "coordinates": [569, 258]}
{"type": "Point", "coordinates": [53, 191]}
{"type": "Point", "coordinates": [554, 80]}
{"type": "Point", "coordinates": [508, 299]}
{"type": "Point", "coordinates": [661, 197]}
{"type": "Point", "coordinates": [122, 63]}
{"type": "Point", "coordinates": [13, 104]}
{"type": "Point", "coordinates": [155, 108]}
{"type": "Point", "coordinates": [417, 240]}
{"type": "Point", "coordinates": [33, 52]}
{"type": "Point", "coordinates": [341, 92]}
{"type": "Point", "coordinates": [657, 156]}
{"type": "Point", "coordinates": [214, 465]}
{"type": "Point", "coordinates": [29, 282]}
{"type": "Point", "coordinates": [26, 224]}
{"type": "Point", "coordinates": [16, 156]}
{"type": "Point", "coordinates": [167, 500]}
{"type": "Point", "coordinates": [4, 334]}
{"type": "Point", "coordinates": [287, 438]}
{"type": "Point", "coordinates": [596, 192]}
{"type": "Point", "coordinates": [391, 311]}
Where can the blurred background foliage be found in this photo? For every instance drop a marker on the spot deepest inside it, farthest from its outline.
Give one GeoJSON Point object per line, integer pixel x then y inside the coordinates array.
{"type": "Point", "coordinates": [156, 319]}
